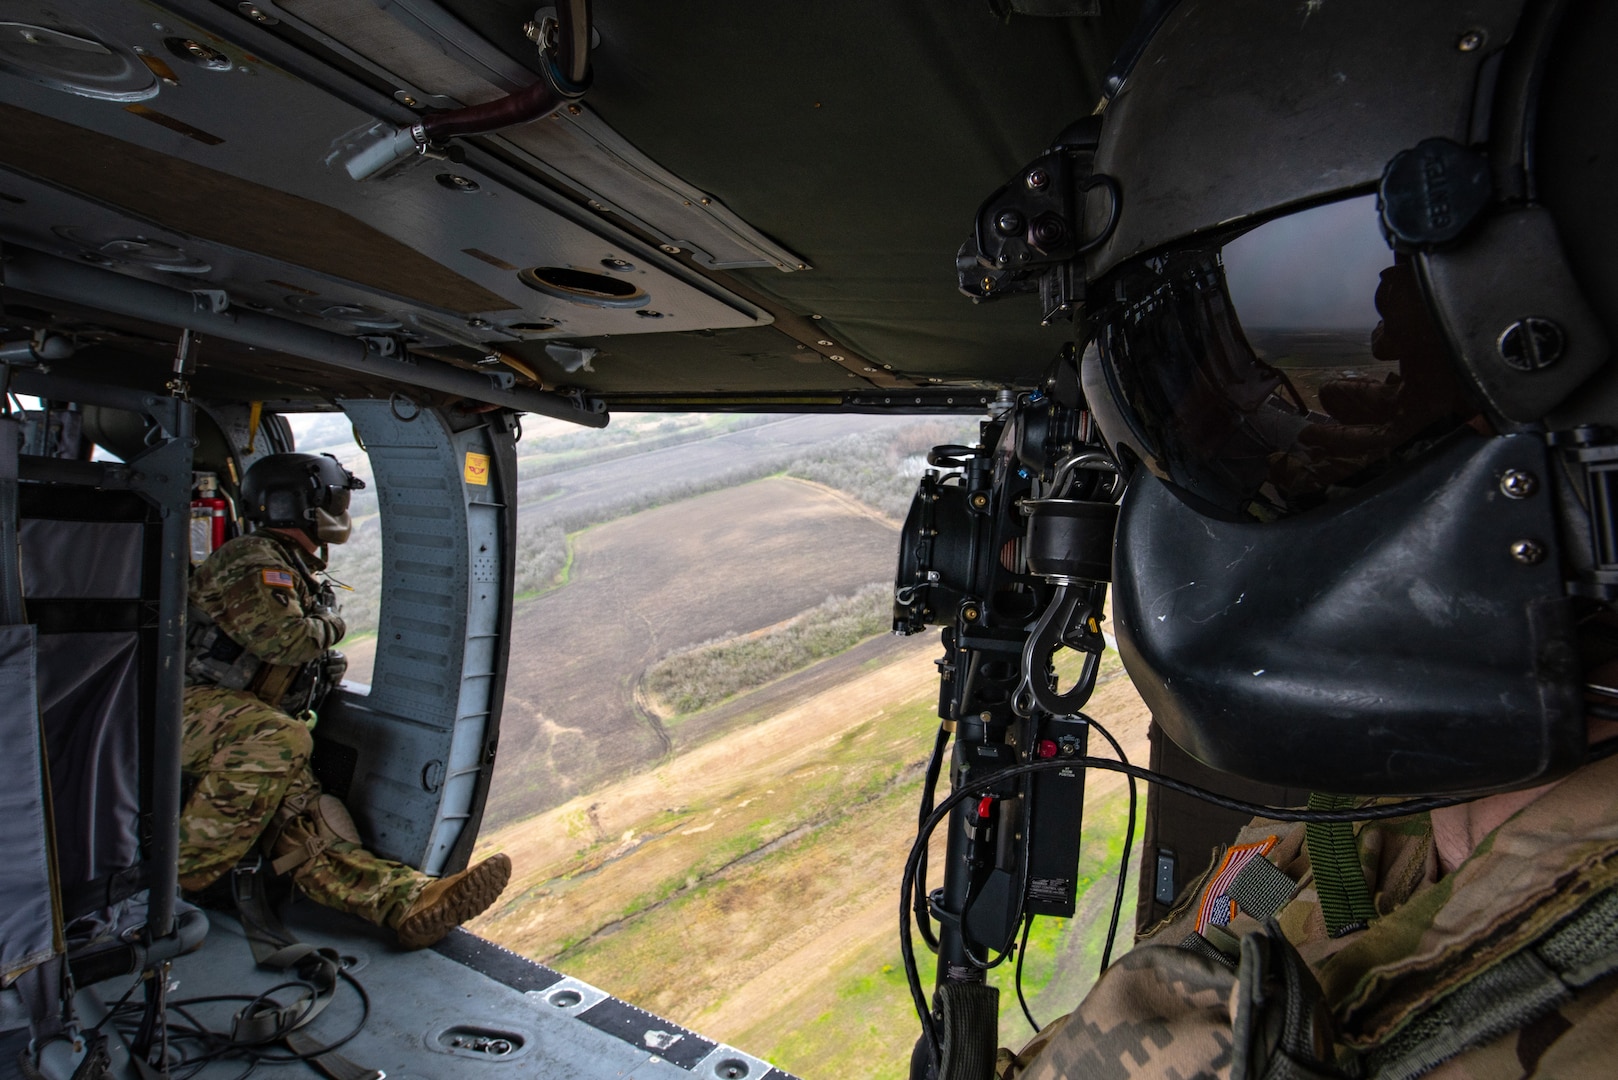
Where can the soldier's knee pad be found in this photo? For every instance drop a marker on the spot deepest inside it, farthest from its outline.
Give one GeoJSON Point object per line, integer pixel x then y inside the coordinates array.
{"type": "Point", "coordinates": [303, 829]}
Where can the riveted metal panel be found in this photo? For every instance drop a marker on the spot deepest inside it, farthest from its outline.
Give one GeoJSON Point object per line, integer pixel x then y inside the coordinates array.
{"type": "Point", "coordinates": [424, 733]}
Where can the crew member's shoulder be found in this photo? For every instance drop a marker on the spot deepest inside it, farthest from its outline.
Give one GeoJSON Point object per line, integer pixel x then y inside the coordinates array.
{"type": "Point", "coordinates": [253, 549]}
{"type": "Point", "coordinates": [244, 554]}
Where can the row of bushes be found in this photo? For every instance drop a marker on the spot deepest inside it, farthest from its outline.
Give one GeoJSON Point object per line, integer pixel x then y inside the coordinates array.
{"type": "Point", "coordinates": [697, 678]}
{"type": "Point", "coordinates": [870, 467]}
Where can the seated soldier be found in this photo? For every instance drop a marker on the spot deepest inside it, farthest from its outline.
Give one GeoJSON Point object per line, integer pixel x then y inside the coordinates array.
{"type": "Point", "coordinates": [262, 629]}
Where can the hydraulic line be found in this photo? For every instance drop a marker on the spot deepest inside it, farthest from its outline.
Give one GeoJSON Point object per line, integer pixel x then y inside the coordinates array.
{"type": "Point", "coordinates": [566, 66]}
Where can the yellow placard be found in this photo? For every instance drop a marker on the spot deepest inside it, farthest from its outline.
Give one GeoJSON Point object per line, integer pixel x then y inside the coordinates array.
{"type": "Point", "coordinates": [477, 468]}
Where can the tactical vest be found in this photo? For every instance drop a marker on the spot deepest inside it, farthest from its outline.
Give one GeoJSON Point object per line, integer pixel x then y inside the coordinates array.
{"type": "Point", "coordinates": [1282, 1028]}
{"type": "Point", "coordinates": [214, 658]}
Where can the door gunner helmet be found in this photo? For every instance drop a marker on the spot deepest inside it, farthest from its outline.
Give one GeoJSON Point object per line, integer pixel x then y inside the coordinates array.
{"type": "Point", "coordinates": [309, 492]}
{"type": "Point", "coordinates": [1352, 323]}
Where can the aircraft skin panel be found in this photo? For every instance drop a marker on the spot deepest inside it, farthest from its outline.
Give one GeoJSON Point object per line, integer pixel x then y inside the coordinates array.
{"type": "Point", "coordinates": [431, 1009]}
{"type": "Point", "coordinates": [235, 166]}
{"type": "Point", "coordinates": [419, 743]}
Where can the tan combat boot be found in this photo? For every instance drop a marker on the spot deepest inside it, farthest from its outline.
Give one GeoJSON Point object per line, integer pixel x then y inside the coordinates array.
{"type": "Point", "coordinates": [448, 902]}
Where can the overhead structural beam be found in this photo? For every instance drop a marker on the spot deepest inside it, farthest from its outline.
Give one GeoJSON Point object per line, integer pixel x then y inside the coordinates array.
{"type": "Point", "coordinates": [88, 286]}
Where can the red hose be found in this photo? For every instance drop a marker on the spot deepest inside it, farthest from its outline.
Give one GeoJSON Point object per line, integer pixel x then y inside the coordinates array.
{"type": "Point", "coordinates": [532, 103]}
{"type": "Point", "coordinates": [535, 102]}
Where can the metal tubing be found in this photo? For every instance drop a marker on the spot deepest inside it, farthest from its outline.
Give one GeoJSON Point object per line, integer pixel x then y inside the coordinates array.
{"type": "Point", "coordinates": [60, 279]}
{"type": "Point", "coordinates": [173, 489]}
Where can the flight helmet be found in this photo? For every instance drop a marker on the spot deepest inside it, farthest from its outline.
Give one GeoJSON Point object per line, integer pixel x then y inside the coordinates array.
{"type": "Point", "coordinates": [308, 492]}
{"type": "Point", "coordinates": [1349, 321]}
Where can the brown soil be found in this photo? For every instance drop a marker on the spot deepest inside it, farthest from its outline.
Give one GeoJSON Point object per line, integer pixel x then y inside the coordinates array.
{"type": "Point", "coordinates": [740, 887]}
{"type": "Point", "coordinates": [648, 585]}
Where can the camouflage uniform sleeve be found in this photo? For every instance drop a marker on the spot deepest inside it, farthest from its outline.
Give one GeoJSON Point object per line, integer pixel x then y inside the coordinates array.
{"type": "Point", "coordinates": [1159, 1011]}
{"type": "Point", "coordinates": [261, 601]}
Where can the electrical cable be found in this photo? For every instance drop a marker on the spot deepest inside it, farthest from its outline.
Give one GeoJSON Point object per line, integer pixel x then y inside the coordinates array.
{"type": "Point", "coordinates": [1382, 812]}
{"type": "Point", "coordinates": [214, 1045]}
{"type": "Point", "coordinates": [1123, 862]}
{"type": "Point", "coordinates": [1022, 951]}
{"type": "Point", "coordinates": [929, 789]}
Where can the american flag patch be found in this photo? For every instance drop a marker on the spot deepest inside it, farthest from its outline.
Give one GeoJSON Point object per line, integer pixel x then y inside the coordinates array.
{"type": "Point", "coordinates": [278, 579]}
{"type": "Point", "coordinates": [1217, 907]}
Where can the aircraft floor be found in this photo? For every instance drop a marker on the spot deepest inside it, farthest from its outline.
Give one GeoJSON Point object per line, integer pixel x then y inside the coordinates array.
{"type": "Point", "coordinates": [466, 1008]}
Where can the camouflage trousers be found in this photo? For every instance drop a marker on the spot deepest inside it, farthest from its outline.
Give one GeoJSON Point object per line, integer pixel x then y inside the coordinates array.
{"type": "Point", "coordinates": [249, 758]}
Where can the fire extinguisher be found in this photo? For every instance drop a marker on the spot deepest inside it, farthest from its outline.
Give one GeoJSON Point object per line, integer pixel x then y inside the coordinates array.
{"type": "Point", "coordinates": [208, 515]}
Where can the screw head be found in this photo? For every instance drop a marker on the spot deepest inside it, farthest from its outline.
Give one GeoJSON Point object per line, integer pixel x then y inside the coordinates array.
{"type": "Point", "coordinates": [822, 341]}
{"type": "Point", "coordinates": [970, 614]}
{"type": "Point", "coordinates": [1009, 223]}
{"type": "Point", "coordinates": [835, 358]}
{"type": "Point", "coordinates": [980, 500]}
{"type": "Point", "coordinates": [1531, 344]}
{"type": "Point", "coordinates": [1471, 41]}
{"type": "Point", "coordinates": [457, 183]}
{"type": "Point", "coordinates": [668, 249]}
{"type": "Point", "coordinates": [1037, 179]}
{"type": "Point", "coordinates": [257, 14]}
{"type": "Point", "coordinates": [1518, 484]}
{"type": "Point", "coordinates": [1528, 552]}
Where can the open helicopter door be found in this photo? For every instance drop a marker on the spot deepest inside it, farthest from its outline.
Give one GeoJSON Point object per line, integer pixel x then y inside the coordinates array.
{"type": "Point", "coordinates": [412, 756]}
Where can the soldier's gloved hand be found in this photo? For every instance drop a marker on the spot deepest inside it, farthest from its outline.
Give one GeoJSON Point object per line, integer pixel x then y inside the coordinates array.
{"type": "Point", "coordinates": [334, 665]}
{"type": "Point", "coordinates": [326, 600]}
{"type": "Point", "coordinates": [335, 627]}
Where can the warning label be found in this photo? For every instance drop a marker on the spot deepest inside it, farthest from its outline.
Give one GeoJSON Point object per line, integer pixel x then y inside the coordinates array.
{"type": "Point", "coordinates": [477, 469]}
{"type": "Point", "coordinates": [1058, 890]}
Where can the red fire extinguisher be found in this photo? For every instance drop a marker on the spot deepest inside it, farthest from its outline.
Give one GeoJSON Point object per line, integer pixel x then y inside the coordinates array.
{"type": "Point", "coordinates": [208, 510]}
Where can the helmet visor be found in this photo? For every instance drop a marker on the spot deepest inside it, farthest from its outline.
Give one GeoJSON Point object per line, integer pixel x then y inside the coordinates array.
{"type": "Point", "coordinates": [1264, 372]}
{"type": "Point", "coordinates": [336, 501]}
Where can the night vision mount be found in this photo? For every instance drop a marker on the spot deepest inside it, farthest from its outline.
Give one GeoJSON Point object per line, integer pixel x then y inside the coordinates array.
{"type": "Point", "coordinates": [1030, 236]}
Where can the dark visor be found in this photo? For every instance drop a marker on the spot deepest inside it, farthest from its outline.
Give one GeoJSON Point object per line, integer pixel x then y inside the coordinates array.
{"type": "Point", "coordinates": [1266, 372]}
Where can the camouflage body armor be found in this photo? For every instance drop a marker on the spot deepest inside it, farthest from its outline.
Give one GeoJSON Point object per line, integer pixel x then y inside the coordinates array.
{"type": "Point", "coordinates": [258, 587]}
{"type": "Point", "coordinates": [259, 659]}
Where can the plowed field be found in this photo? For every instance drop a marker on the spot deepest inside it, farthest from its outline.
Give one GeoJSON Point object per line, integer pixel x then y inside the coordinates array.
{"type": "Point", "coordinates": [654, 583]}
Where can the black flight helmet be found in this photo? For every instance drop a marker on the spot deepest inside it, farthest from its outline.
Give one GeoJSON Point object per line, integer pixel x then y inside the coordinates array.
{"type": "Point", "coordinates": [308, 492]}
{"type": "Point", "coordinates": [1351, 325]}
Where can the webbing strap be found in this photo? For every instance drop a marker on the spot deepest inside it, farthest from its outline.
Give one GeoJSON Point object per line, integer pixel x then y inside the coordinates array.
{"type": "Point", "coordinates": [273, 947]}
{"type": "Point", "coordinates": [332, 1065]}
{"type": "Point", "coordinates": [1195, 942]}
{"type": "Point", "coordinates": [1260, 889]}
{"type": "Point", "coordinates": [1512, 994]}
{"type": "Point", "coordinates": [1334, 853]}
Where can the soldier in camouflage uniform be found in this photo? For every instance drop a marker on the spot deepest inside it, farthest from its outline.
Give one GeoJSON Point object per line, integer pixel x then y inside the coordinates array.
{"type": "Point", "coordinates": [1334, 576]}
{"type": "Point", "coordinates": [1426, 988]}
{"type": "Point", "coordinates": [262, 633]}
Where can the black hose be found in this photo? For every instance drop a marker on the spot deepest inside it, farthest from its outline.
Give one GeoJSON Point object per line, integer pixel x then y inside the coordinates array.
{"type": "Point", "coordinates": [1123, 861]}
{"type": "Point", "coordinates": [929, 788]}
